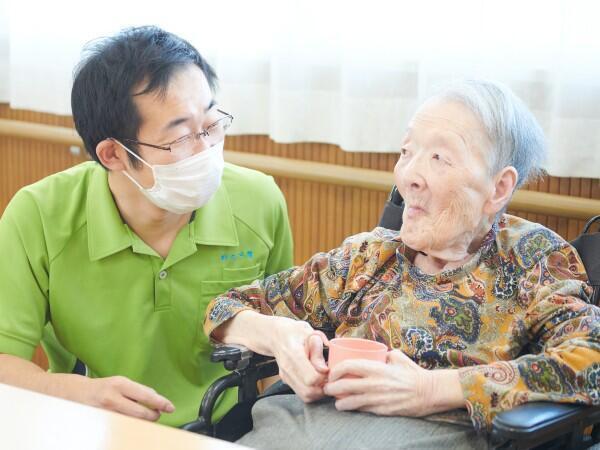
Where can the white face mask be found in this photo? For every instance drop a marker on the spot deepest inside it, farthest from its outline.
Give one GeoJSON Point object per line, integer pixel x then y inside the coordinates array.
{"type": "Point", "coordinates": [186, 185]}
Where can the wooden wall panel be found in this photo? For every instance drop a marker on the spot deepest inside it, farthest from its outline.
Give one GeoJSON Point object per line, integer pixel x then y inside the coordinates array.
{"type": "Point", "coordinates": [321, 215]}
{"type": "Point", "coordinates": [351, 217]}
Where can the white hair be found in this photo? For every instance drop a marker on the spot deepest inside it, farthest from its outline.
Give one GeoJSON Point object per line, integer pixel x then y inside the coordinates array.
{"type": "Point", "coordinates": [516, 136]}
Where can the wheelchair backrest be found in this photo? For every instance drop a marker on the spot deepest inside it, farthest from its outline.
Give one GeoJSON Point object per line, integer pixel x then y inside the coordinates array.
{"type": "Point", "coordinates": [391, 217]}
{"type": "Point", "coordinates": [588, 246]}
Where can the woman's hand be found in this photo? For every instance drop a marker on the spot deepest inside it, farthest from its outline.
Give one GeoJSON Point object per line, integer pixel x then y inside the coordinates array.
{"type": "Point", "coordinates": [398, 388]}
{"type": "Point", "coordinates": [298, 350]}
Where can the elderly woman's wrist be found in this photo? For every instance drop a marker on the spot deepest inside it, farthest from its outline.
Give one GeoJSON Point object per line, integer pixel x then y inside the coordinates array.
{"type": "Point", "coordinates": [446, 391]}
{"type": "Point", "coordinates": [246, 328]}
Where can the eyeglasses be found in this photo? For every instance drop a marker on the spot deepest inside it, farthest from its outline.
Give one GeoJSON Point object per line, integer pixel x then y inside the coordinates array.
{"type": "Point", "coordinates": [188, 144]}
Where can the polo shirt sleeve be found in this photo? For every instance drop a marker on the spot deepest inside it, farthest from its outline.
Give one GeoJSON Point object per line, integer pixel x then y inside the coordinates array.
{"type": "Point", "coordinates": [282, 252]}
{"type": "Point", "coordinates": [23, 277]}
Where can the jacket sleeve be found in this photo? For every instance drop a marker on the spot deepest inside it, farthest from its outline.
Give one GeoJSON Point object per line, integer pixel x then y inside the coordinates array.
{"type": "Point", "coordinates": [324, 291]}
{"type": "Point", "coordinates": [563, 331]}
{"type": "Point", "coordinates": [303, 292]}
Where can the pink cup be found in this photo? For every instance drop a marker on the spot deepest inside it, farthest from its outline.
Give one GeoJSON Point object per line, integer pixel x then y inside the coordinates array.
{"type": "Point", "coordinates": [341, 349]}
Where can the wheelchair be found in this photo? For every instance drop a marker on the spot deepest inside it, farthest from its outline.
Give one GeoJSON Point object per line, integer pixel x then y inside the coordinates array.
{"type": "Point", "coordinates": [540, 425]}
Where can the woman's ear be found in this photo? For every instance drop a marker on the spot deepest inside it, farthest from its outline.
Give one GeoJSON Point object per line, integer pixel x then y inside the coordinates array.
{"type": "Point", "coordinates": [111, 155]}
{"type": "Point", "coordinates": [504, 185]}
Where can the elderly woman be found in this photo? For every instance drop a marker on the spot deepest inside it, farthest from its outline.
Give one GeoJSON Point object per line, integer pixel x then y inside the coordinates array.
{"type": "Point", "coordinates": [482, 311]}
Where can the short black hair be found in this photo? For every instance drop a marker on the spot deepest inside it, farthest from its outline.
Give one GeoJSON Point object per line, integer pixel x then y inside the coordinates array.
{"type": "Point", "coordinates": [102, 95]}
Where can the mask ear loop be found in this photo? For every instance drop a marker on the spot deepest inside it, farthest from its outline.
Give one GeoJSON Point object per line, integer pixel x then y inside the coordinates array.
{"type": "Point", "coordinates": [139, 159]}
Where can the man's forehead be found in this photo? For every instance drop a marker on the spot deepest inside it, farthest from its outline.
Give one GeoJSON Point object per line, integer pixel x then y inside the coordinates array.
{"type": "Point", "coordinates": [185, 82]}
{"type": "Point", "coordinates": [185, 94]}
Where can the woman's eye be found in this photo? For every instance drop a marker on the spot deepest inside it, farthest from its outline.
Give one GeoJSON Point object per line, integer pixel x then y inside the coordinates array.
{"type": "Point", "coordinates": [403, 151]}
{"type": "Point", "coordinates": [436, 156]}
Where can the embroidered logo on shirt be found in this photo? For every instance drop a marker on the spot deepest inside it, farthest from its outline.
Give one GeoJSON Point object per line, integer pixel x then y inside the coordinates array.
{"type": "Point", "coordinates": [249, 254]}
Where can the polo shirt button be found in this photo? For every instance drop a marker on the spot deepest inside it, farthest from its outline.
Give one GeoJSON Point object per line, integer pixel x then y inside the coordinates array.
{"type": "Point", "coordinates": [162, 274]}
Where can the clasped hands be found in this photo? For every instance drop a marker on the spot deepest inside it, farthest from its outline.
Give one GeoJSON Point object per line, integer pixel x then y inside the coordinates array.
{"type": "Point", "coordinates": [399, 388]}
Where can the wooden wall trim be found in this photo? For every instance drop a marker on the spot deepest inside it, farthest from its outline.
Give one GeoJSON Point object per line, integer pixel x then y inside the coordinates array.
{"type": "Point", "coordinates": [378, 180]}
{"type": "Point", "coordinates": [40, 132]}
{"type": "Point", "coordinates": [527, 201]}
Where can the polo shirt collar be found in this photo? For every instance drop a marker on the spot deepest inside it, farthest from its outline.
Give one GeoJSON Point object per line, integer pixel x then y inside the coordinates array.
{"type": "Point", "coordinates": [213, 224]}
{"type": "Point", "coordinates": [107, 233]}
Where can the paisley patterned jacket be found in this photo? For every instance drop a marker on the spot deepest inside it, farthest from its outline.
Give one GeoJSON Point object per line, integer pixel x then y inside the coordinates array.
{"type": "Point", "coordinates": [514, 320]}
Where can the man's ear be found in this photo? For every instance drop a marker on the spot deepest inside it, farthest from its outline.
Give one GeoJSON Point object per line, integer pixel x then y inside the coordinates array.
{"type": "Point", "coordinates": [504, 185]}
{"type": "Point", "coordinates": [112, 155]}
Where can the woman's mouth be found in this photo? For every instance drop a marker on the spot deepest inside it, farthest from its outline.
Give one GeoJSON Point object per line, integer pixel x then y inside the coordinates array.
{"type": "Point", "coordinates": [414, 211]}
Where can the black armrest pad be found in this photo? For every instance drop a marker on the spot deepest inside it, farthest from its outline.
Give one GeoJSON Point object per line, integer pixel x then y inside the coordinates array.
{"type": "Point", "coordinates": [237, 357]}
{"type": "Point", "coordinates": [536, 417]}
{"type": "Point", "coordinates": [533, 415]}
{"type": "Point", "coordinates": [230, 352]}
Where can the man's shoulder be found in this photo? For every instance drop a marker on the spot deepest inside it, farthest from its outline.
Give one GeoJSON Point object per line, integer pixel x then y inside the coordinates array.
{"type": "Point", "coordinates": [54, 204]}
{"type": "Point", "coordinates": [250, 182]}
{"type": "Point", "coordinates": [527, 241]}
{"type": "Point", "coordinates": [253, 195]}
{"type": "Point", "coordinates": [61, 187]}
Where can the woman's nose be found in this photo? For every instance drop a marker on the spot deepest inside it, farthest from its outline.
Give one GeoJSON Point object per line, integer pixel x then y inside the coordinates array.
{"type": "Point", "coordinates": [414, 175]}
{"type": "Point", "coordinates": [415, 185]}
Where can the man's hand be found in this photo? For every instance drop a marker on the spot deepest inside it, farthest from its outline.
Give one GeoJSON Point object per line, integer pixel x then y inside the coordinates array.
{"type": "Point", "coordinates": [298, 350]}
{"type": "Point", "coordinates": [124, 396]}
{"type": "Point", "coordinates": [118, 394]}
{"type": "Point", "coordinates": [398, 388]}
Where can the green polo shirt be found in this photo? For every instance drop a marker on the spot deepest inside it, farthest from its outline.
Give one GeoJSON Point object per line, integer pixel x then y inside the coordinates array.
{"type": "Point", "coordinates": [69, 261]}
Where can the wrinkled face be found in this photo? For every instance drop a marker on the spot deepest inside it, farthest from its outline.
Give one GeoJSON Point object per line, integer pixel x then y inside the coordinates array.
{"type": "Point", "coordinates": [443, 176]}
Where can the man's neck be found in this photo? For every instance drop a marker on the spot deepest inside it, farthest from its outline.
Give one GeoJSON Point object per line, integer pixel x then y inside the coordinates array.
{"type": "Point", "coordinates": [155, 226]}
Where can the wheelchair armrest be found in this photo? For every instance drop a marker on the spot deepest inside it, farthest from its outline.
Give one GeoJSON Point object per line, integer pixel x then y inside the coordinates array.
{"type": "Point", "coordinates": [233, 356]}
{"type": "Point", "coordinates": [246, 369]}
{"type": "Point", "coordinates": [236, 357]}
{"type": "Point", "coordinates": [542, 421]}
